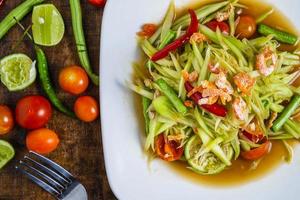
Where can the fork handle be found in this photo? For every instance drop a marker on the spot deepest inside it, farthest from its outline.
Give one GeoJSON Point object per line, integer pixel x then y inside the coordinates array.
{"type": "Point", "coordinates": [78, 193]}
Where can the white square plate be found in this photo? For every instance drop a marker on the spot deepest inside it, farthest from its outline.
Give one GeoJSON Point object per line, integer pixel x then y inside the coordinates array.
{"type": "Point", "coordinates": [126, 165]}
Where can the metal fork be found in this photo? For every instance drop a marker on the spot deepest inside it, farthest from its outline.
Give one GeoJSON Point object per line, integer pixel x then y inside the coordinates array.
{"type": "Point", "coordinates": [51, 177]}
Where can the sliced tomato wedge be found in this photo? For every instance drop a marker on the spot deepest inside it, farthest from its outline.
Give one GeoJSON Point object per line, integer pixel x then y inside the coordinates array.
{"type": "Point", "coordinates": [254, 138]}
{"type": "Point", "coordinates": [223, 26]}
{"type": "Point", "coordinates": [258, 152]}
{"type": "Point", "coordinates": [254, 133]}
{"type": "Point", "coordinates": [168, 150]}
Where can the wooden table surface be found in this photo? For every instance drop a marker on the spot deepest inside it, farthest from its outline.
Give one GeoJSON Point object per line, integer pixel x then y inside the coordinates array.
{"type": "Point", "coordinates": [80, 149]}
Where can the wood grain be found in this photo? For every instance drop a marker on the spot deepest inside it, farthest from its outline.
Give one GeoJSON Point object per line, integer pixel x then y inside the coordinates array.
{"type": "Point", "coordinates": [80, 150]}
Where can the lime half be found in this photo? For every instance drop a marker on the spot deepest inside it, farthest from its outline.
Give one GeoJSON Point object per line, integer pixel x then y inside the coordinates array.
{"type": "Point", "coordinates": [17, 71]}
{"type": "Point", "coordinates": [47, 25]}
{"type": "Point", "coordinates": [7, 152]}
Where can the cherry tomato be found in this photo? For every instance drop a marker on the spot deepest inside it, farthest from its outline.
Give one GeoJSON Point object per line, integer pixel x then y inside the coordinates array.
{"type": "Point", "coordinates": [147, 30]}
{"type": "Point", "coordinates": [97, 3]}
{"type": "Point", "coordinates": [246, 27]}
{"type": "Point", "coordinates": [254, 132]}
{"type": "Point", "coordinates": [42, 141]}
{"type": "Point", "coordinates": [223, 26]}
{"type": "Point", "coordinates": [256, 138]}
{"type": "Point", "coordinates": [258, 152]}
{"type": "Point", "coordinates": [86, 108]}
{"type": "Point", "coordinates": [73, 79]}
{"type": "Point", "coordinates": [167, 150]}
{"type": "Point", "coordinates": [6, 120]}
{"type": "Point", "coordinates": [33, 112]}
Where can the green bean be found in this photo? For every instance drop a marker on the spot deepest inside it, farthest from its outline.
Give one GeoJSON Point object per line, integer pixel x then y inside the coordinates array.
{"type": "Point", "coordinates": [287, 112]}
{"type": "Point", "coordinates": [146, 103]}
{"type": "Point", "coordinates": [16, 15]}
{"type": "Point", "coordinates": [170, 93]}
{"type": "Point", "coordinates": [281, 36]}
{"type": "Point", "coordinates": [80, 40]}
{"type": "Point", "coordinates": [47, 86]}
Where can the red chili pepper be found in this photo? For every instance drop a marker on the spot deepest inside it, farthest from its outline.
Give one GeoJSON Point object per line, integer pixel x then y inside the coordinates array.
{"type": "Point", "coordinates": [97, 3]}
{"type": "Point", "coordinates": [224, 28]}
{"type": "Point", "coordinates": [193, 28]}
{"type": "Point", "coordinates": [216, 109]}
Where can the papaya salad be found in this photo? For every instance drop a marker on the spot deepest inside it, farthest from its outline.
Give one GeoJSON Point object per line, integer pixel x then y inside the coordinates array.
{"type": "Point", "coordinates": [217, 87]}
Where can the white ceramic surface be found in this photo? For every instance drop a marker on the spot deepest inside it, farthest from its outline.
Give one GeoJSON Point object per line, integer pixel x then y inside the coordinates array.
{"type": "Point", "coordinates": [128, 172]}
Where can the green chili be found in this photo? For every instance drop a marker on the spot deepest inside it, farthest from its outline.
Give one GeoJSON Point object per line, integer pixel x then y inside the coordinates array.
{"type": "Point", "coordinates": [46, 82]}
{"type": "Point", "coordinates": [16, 15]}
{"type": "Point", "coordinates": [80, 40]}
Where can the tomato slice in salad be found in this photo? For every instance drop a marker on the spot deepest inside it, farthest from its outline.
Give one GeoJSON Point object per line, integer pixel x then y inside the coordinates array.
{"type": "Point", "coordinates": [168, 150]}
{"type": "Point", "coordinates": [258, 152]}
{"type": "Point", "coordinates": [223, 26]}
{"type": "Point", "coordinates": [254, 138]}
{"type": "Point", "coordinates": [254, 133]}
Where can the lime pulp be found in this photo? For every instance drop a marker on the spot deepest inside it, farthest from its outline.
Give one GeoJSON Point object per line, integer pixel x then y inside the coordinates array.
{"type": "Point", "coordinates": [17, 71]}
{"type": "Point", "coordinates": [47, 25]}
{"type": "Point", "coordinates": [7, 152]}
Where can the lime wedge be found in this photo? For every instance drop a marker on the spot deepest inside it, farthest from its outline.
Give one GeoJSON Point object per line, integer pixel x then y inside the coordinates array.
{"type": "Point", "coordinates": [47, 25]}
{"type": "Point", "coordinates": [7, 152]}
{"type": "Point", "coordinates": [17, 71]}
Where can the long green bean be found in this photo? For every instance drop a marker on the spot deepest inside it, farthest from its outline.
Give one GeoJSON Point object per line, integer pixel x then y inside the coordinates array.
{"type": "Point", "coordinates": [16, 15]}
{"type": "Point", "coordinates": [80, 40]}
{"type": "Point", "coordinates": [287, 112]}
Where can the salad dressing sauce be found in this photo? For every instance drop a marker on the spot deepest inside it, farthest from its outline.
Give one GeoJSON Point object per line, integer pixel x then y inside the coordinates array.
{"type": "Point", "coordinates": [241, 171]}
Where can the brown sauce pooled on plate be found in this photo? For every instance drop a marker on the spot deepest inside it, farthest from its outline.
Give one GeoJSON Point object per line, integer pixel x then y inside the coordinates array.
{"type": "Point", "coordinates": [241, 171]}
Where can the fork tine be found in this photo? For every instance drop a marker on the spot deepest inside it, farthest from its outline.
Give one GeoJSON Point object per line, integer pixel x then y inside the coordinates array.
{"type": "Point", "coordinates": [55, 166]}
{"type": "Point", "coordinates": [39, 182]}
{"type": "Point", "coordinates": [58, 177]}
{"type": "Point", "coordinates": [50, 180]}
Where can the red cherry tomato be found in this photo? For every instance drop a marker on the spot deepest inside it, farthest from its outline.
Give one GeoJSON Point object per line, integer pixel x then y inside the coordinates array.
{"type": "Point", "coordinates": [6, 120]}
{"type": "Point", "coordinates": [86, 108]}
{"type": "Point", "coordinates": [42, 141]}
{"type": "Point", "coordinates": [167, 150]}
{"type": "Point", "coordinates": [73, 79]}
{"type": "Point", "coordinates": [246, 27]}
{"type": "Point", "coordinates": [33, 112]}
{"type": "Point", "coordinates": [258, 152]}
{"type": "Point", "coordinates": [97, 3]}
{"type": "Point", "coordinates": [223, 26]}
